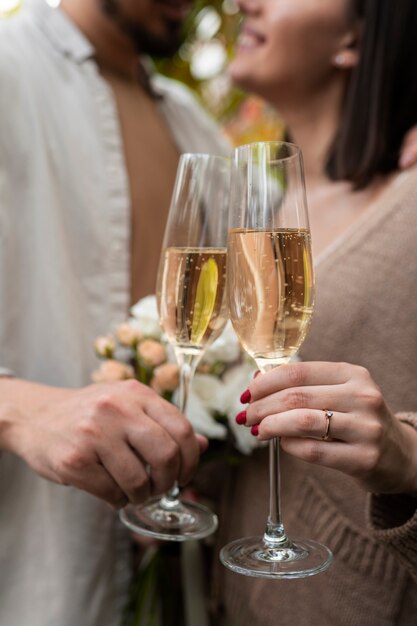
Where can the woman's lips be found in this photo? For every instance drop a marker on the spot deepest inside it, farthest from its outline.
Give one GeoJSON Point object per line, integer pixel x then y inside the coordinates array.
{"type": "Point", "coordinates": [249, 39]}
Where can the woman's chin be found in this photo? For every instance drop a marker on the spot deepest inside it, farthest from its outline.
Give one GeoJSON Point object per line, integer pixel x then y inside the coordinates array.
{"type": "Point", "coordinates": [241, 76]}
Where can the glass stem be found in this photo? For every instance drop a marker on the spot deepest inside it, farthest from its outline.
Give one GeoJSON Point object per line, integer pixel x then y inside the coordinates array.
{"type": "Point", "coordinates": [188, 364]}
{"type": "Point", "coordinates": [274, 536]}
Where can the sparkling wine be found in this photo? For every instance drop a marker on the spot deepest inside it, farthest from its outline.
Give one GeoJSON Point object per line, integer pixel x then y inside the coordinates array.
{"type": "Point", "coordinates": [270, 276]}
{"type": "Point", "coordinates": [191, 296]}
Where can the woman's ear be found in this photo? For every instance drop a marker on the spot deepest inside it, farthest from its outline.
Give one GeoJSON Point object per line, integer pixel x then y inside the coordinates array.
{"type": "Point", "coordinates": [347, 54]}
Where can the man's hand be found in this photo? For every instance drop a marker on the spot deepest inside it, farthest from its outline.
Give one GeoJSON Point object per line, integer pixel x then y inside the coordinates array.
{"type": "Point", "coordinates": [118, 441]}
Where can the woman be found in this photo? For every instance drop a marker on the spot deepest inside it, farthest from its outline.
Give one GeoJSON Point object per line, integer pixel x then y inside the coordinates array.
{"type": "Point", "coordinates": [342, 73]}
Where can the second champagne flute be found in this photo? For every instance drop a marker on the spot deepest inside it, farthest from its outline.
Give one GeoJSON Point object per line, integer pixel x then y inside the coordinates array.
{"type": "Point", "coordinates": [192, 311]}
{"type": "Point", "coordinates": [271, 296]}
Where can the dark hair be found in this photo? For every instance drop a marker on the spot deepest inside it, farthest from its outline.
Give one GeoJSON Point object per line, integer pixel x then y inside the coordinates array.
{"type": "Point", "coordinates": [381, 98]}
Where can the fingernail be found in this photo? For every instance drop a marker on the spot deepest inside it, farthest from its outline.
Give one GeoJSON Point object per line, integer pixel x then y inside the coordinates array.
{"type": "Point", "coordinates": [255, 430]}
{"type": "Point", "coordinates": [241, 418]}
{"type": "Point", "coordinates": [407, 159]}
{"type": "Point", "coordinates": [245, 397]}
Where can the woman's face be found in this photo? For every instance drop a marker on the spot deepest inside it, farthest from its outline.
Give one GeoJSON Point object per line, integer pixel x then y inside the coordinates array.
{"type": "Point", "coordinates": [288, 45]}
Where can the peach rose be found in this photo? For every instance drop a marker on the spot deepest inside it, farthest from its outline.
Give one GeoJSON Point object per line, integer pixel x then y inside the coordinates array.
{"type": "Point", "coordinates": [104, 346]}
{"type": "Point", "coordinates": [128, 335]}
{"type": "Point", "coordinates": [166, 377]}
{"type": "Point", "coordinates": [151, 352]}
{"type": "Point", "coordinates": [111, 371]}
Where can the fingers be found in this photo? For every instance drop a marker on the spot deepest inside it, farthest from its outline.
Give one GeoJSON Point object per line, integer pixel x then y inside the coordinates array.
{"type": "Point", "coordinates": [98, 482]}
{"type": "Point", "coordinates": [313, 424]}
{"type": "Point", "coordinates": [92, 477]}
{"type": "Point", "coordinates": [340, 456]}
{"type": "Point", "coordinates": [326, 397]}
{"type": "Point", "coordinates": [157, 432]}
{"type": "Point", "coordinates": [181, 432]}
{"type": "Point", "coordinates": [203, 443]}
{"type": "Point", "coordinates": [128, 472]}
{"type": "Point", "coordinates": [299, 375]}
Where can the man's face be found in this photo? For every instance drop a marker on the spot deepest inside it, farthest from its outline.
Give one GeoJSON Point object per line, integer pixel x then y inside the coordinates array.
{"type": "Point", "coordinates": [153, 26]}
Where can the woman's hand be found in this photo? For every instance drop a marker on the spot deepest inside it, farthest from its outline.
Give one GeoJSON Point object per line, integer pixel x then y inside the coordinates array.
{"type": "Point", "coordinates": [365, 440]}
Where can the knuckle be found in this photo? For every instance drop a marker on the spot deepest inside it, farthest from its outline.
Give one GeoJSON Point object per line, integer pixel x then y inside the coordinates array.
{"type": "Point", "coordinates": [313, 452]}
{"type": "Point", "coordinates": [377, 431]}
{"type": "Point", "coordinates": [104, 403]}
{"type": "Point", "coordinates": [296, 374]}
{"type": "Point", "coordinates": [373, 398]}
{"type": "Point", "coordinates": [254, 413]}
{"type": "Point", "coordinates": [370, 459]}
{"type": "Point", "coordinates": [295, 399]}
{"type": "Point", "coordinates": [134, 386]}
{"type": "Point", "coordinates": [362, 372]}
{"type": "Point", "coordinates": [171, 454]}
{"type": "Point", "coordinates": [267, 427]}
{"type": "Point", "coordinates": [184, 429]}
{"type": "Point", "coordinates": [70, 461]}
{"type": "Point", "coordinates": [88, 428]}
{"type": "Point", "coordinates": [308, 423]}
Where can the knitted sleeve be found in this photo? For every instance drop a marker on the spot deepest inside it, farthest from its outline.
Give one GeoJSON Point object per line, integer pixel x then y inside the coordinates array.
{"type": "Point", "coordinates": [393, 518]}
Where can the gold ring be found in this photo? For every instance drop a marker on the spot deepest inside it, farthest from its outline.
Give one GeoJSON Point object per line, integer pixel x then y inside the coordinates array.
{"type": "Point", "coordinates": [329, 415]}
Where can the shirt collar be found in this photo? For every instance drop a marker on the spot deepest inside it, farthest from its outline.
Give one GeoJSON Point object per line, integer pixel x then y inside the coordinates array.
{"type": "Point", "coordinates": [61, 32]}
{"type": "Point", "coordinates": [70, 41]}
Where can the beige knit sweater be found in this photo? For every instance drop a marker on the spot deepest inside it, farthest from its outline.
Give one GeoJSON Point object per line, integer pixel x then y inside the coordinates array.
{"type": "Point", "coordinates": [366, 313]}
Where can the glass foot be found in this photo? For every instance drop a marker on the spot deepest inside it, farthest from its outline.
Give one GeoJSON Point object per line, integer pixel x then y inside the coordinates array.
{"type": "Point", "coordinates": [157, 518]}
{"type": "Point", "coordinates": [298, 558]}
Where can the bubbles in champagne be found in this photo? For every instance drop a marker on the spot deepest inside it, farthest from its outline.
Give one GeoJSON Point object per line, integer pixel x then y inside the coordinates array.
{"type": "Point", "coordinates": [191, 296]}
{"type": "Point", "coordinates": [270, 285]}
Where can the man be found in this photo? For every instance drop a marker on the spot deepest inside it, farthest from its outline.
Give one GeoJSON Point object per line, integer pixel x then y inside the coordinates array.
{"type": "Point", "coordinates": [88, 153]}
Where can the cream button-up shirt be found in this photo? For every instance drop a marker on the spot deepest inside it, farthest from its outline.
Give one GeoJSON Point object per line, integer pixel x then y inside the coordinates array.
{"type": "Point", "coordinates": [64, 279]}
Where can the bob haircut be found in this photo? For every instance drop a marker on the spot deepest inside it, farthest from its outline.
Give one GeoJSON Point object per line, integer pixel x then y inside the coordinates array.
{"type": "Point", "coordinates": [381, 98]}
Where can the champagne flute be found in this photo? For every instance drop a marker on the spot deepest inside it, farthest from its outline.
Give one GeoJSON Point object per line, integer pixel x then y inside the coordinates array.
{"type": "Point", "coordinates": [192, 310]}
{"type": "Point", "coordinates": [271, 296]}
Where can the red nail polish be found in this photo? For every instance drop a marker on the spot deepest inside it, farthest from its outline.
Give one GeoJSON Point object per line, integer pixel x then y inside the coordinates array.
{"type": "Point", "coordinates": [241, 418]}
{"type": "Point", "coordinates": [255, 430]}
{"type": "Point", "coordinates": [245, 397]}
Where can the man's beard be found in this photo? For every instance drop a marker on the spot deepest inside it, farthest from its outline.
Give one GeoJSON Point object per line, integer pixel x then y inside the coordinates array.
{"type": "Point", "coordinates": [144, 41]}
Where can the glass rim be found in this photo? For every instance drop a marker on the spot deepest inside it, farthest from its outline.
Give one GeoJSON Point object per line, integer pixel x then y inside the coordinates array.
{"type": "Point", "coordinates": [295, 147]}
{"type": "Point", "coordinates": [207, 155]}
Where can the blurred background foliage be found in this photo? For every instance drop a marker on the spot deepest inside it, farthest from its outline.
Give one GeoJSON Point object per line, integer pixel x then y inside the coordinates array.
{"type": "Point", "coordinates": [201, 63]}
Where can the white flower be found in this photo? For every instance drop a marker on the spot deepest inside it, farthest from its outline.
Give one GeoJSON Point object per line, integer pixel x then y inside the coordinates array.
{"type": "Point", "coordinates": [145, 313]}
{"type": "Point", "coordinates": [226, 348]}
{"type": "Point", "coordinates": [199, 409]}
{"type": "Point", "coordinates": [235, 381]}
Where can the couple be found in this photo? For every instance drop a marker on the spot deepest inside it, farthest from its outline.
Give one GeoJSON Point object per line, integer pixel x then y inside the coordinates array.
{"type": "Point", "coordinates": [85, 136]}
